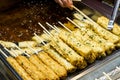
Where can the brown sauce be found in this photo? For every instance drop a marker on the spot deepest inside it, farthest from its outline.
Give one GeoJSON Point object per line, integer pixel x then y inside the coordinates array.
{"type": "Point", "coordinates": [19, 23]}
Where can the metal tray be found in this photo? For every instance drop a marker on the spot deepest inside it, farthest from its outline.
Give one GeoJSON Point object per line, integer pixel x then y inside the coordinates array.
{"type": "Point", "coordinates": [96, 69]}
{"type": "Point", "coordinates": [91, 72]}
{"type": "Point", "coordinates": [7, 72]}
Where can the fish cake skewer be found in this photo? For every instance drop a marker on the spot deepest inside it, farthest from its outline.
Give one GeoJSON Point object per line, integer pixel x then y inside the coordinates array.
{"type": "Point", "coordinates": [65, 50]}
{"type": "Point", "coordinates": [55, 55]}
{"type": "Point", "coordinates": [65, 35]}
{"type": "Point", "coordinates": [30, 68]}
{"type": "Point", "coordinates": [57, 68]}
{"type": "Point", "coordinates": [98, 29]}
{"type": "Point", "coordinates": [69, 54]}
{"type": "Point", "coordinates": [75, 44]}
{"type": "Point", "coordinates": [104, 33]}
{"type": "Point", "coordinates": [71, 40]}
{"type": "Point", "coordinates": [103, 21]}
{"type": "Point", "coordinates": [109, 46]}
{"type": "Point", "coordinates": [43, 68]}
{"type": "Point", "coordinates": [18, 68]}
{"type": "Point", "coordinates": [86, 44]}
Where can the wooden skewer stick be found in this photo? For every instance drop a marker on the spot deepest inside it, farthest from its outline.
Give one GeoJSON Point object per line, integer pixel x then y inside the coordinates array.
{"type": "Point", "coordinates": [3, 53]}
{"type": "Point", "coordinates": [44, 28]}
{"type": "Point", "coordinates": [31, 48]}
{"type": "Point", "coordinates": [56, 27]}
{"type": "Point", "coordinates": [52, 26]}
{"type": "Point", "coordinates": [83, 14]}
{"type": "Point", "coordinates": [46, 31]}
{"type": "Point", "coordinates": [14, 53]}
{"type": "Point", "coordinates": [107, 76]}
{"type": "Point", "coordinates": [118, 68]}
{"type": "Point", "coordinates": [53, 38]}
{"type": "Point", "coordinates": [22, 51]}
{"type": "Point", "coordinates": [19, 49]}
{"type": "Point", "coordinates": [73, 22]}
{"type": "Point", "coordinates": [65, 27]}
{"type": "Point", "coordinates": [10, 52]}
{"type": "Point", "coordinates": [39, 38]}
{"type": "Point", "coordinates": [47, 34]}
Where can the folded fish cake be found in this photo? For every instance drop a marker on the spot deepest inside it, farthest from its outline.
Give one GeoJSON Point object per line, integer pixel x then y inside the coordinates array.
{"type": "Point", "coordinates": [24, 44]}
{"type": "Point", "coordinates": [8, 44]}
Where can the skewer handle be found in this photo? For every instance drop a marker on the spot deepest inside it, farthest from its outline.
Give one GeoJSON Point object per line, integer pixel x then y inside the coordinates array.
{"type": "Point", "coordinates": [31, 49]}
{"type": "Point", "coordinates": [39, 38]}
{"type": "Point", "coordinates": [3, 53]}
{"type": "Point", "coordinates": [65, 27]}
{"type": "Point", "coordinates": [107, 76]}
{"type": "Point", "coordinates": [23, 51]}
{"type": "Point", "coordinates": [44, 28]}
{"type": "Point", "coordinates": [14, 54]}
{"type": "Point", "coordinates": [83, 14]}
{"type": "Point", "coordinates": [56, 27]}
{"type": "Point", "coordinates": [72, 22]}
{"type": "Point", "coordinates": [51, 26]}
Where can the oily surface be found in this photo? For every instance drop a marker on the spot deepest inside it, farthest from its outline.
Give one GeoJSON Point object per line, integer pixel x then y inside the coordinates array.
{"type": "Point", "coordinates": [18, 23]}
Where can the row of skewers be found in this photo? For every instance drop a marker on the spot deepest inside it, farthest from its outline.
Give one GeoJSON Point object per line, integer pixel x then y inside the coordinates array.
{"type": "Point", "coordinates": [115, 74]}
{"type": "Point", "coordinates": [31, 67]}
{"type": "Point", "coordinates": [63, 50]}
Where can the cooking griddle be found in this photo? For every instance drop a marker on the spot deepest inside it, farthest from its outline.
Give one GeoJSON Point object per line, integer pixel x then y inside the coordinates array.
{"type": "Point", "coordinates": [91, 72]}
{"type": "Point", "coordinates": [20, 22]}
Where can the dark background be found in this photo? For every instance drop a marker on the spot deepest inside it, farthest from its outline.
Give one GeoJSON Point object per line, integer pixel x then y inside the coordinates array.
{"type": "Point", "coordinates": [20, 20]}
